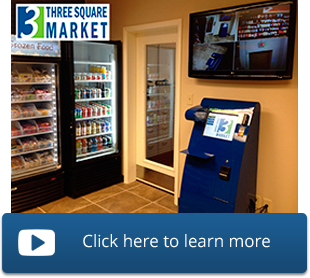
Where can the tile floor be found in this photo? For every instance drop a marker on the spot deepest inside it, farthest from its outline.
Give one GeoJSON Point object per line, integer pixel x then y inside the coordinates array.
{"type": "Point", "coordinates": [135, 197]}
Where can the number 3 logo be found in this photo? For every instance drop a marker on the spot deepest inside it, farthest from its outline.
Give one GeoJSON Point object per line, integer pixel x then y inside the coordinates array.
{"type": "Point", "coordinates": [27, 27]}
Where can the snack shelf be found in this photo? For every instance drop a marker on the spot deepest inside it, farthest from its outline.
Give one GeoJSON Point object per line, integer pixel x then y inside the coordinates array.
{"type": "Point", "coordinates": [93, 81]}
{"type": "Point", "coordinates": [31, 83]}
{"type": "Point", "coordinates": [94, 117]}
{"type": "Point", "coordinates": [159, 123]}
{"type": "Point", "coordinates": [105, 151]}
{"type": "Point", "coordinates": [158, 139]}
{"type": "Point", "coordinates": [30, 101]}
{"type": "Point", "coordinates": [31, 118]}
{"type": "Point", "coordinates": [35, 170]}
{"type": "Point", "coordinates": [93, 135]}
{"type": "Point", "coordinates": [31, 134]}
{"type": "Point", "coordinates": [32, 151]}
{"type": "Point", "coordinates": [156, 109]}
{"type": "Point", "coordinates": [93, 63]}
{"type": "Point", "coordinates": [92, 99]}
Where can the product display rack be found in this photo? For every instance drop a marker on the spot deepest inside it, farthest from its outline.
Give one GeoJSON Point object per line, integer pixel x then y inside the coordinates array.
{"type": "Point", "coordinates": [94, 89]}
{"type": "Point", "coordinates": [93, 121]}
{"type": "Point", "coordinates": [34, 132]}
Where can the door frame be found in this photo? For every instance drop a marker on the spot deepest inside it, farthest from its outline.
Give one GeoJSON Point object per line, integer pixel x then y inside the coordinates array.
{"type": "Point", "coordinates": [130, 37]}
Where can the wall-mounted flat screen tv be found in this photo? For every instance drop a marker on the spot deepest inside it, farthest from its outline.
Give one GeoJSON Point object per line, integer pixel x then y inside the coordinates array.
{"type": "Point", "coordinates": [253, 41]}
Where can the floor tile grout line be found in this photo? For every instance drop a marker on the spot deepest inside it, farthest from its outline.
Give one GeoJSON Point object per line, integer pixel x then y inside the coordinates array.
{"type": "Point", "coordinates": [73, 210]}
{"type": "Point", "coordinates": [42, 210]}
{"type": "Point", "coordinates": [114, 195]}
{"type": "Point", "coordinates": [165, 207]}
{"type": "Point", "coordinates": [101, 206]}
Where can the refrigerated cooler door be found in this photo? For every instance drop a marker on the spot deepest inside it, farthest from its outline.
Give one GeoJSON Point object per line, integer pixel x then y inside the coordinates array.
{"type": "Point", "coordinates": [95, 100]}
{"type": "Point", "coordinates": [34, 119]}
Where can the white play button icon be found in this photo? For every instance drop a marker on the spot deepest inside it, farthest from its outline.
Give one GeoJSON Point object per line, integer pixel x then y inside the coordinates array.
{"type": "Point", "coordinates": [36, 242]}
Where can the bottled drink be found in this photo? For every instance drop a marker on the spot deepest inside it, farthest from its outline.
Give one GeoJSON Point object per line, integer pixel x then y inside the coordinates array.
{"type": "Point", "coordinates": [107, 126]}
{"type": "Point", "coordinates": [83, 128]}
{"type": "Point", "coordinates": [94, 145]}
{"type": "Point", "coordinates": [104, 142]}
{"type": "Point", "coordinates": [89, 111]}
{"type": "Point", "coordinates": [84, 146]}
{"type": "Point", "coordinates": [84, 112]}
{"type": "Point", "coordinates": [88, 128]}
{"type": "Point", "coordinates": [78, 129]}
{"type": "Point", "coordinates": [99, 143]}
{"type": "Point", "coordinates": [93, 127]}
{"type": "Point", "coordinates": [78, 147]}
{"type": "Point", "coordinates": [89, 145]}
{"type": "Point", "coordinates": [98, 125]}
{"type": "Point", "coordinates": [109, 141]}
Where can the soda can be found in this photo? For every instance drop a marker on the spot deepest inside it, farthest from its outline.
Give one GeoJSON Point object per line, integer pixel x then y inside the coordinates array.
{"type": "Point", "coordinates": [89, 111]}
{"type": "Point", "coordinates": [98, 92]}
{"type": "Point", "coordinates": [83, 93]}
{"type": "Point", "coordinates": [107, 126]}
{"type": "Point", "coordinates": [109, 138]}
{"type": "Point", "coordinates": [93, 93]}
{"type": "Point", "coordinates": [77, 94]}
{"type": "Point", "coordinates": [88, 93]}
{"type": "Point", "coordinates": [107, 92]}
{"type": "Point", "coordinates": [84, 111]}
{"type": "Point", "coordinates": [95, 110]}
{"type": "Point", "coordinates": [104, 141]}
{"type": "Point", "coordinates": [99, 110]}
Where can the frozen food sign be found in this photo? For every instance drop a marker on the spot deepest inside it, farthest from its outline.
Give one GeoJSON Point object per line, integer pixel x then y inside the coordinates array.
{"type": "Point", "coordinates": [35, 48]}
{"type": "Point", "coordinates": [63, 22]}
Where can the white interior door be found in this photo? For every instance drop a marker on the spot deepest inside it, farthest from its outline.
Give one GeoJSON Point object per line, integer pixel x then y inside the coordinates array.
{"type": "Point", "coordinates": [156, 113]}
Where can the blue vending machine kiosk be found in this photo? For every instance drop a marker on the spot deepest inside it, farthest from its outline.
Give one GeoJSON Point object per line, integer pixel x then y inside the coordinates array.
{"type": "Point", "coordinates": [221, 159]}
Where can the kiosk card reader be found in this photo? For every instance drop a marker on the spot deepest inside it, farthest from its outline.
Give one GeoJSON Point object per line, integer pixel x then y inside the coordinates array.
{"type": "Point", "coordinates": [220, 168]}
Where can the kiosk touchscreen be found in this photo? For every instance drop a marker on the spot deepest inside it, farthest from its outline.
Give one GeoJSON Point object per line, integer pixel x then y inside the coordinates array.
{"type": "Point", "coordinates": [220, 168]}
{"type": "Point", "coordinates": [220, 126]}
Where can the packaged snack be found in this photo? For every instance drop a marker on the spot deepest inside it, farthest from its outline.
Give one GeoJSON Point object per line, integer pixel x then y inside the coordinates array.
{"type": "Point", "coordinates": [45, 157]}
{"type": "Point", "coordinates": [28, 94]}
{"type": "Point", "coordinates": [29, 143]}
{"type": "Point", "coordinates": [43, 94]}
{"type": "Point", "coordinates": [31, 160]}
{"type": "Point", "coordinates": [40, 75]}
{"type": "Point", "coordinates": [16, 129]}
{"type": "Point", "coordinates": [25, 77]}
{"type": "Point", "coordinates": [29, 127]}
{"type": "Point", "coordinates": [15, 95]}
{"type": "Point", "coordinates": [44, 109]}
{"type": "Point", "coordinates": [16, 147]}
{"type": "Point", "coordinates": [14, 76]}
{"type": "Point", "coordinates": [44, 125]}
{"type": "Point", "coordinates": [45, 141]}
{"type": "Point", "coordinates": [15, 111]}
{"type": "Point", "coordinates": [17, 163]}
{"type": "Point", "coordinates": [29, 110]}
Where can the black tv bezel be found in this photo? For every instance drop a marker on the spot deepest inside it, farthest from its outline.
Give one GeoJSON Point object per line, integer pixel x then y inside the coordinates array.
{"type": "Point", "coordinates": [263, 75]}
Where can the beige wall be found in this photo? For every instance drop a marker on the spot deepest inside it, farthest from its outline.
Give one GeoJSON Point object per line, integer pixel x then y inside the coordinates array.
{"type": "Point", "coordinates": [277, 159]}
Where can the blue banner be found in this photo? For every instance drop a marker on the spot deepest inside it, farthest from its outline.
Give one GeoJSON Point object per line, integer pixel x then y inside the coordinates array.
{"type": "Point", "coordinates": [154, 243]}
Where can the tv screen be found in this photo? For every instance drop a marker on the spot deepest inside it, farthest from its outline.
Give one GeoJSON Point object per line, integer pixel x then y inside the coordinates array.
{"type": "Point", "coordinates": [249, 41]}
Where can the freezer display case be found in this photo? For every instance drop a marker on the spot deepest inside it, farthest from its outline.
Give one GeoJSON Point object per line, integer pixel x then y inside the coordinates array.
{"type": "Point", "coordinates": [34, 125]}
{"type": "Point", "coordinates": [94, 69]}
{"type": "Point", "coordinates": [37, 166]}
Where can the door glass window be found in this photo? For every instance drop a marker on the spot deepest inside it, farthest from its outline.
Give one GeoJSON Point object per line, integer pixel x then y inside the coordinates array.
{"type": "Point", "coordinates": [160, 88]}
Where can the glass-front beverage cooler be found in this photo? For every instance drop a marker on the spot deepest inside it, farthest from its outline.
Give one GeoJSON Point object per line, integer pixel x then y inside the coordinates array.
{"type": "Point", "coordinates": [95, 92]}
{"type": "Point", "coordinates": [36, 160]}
